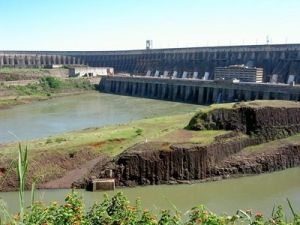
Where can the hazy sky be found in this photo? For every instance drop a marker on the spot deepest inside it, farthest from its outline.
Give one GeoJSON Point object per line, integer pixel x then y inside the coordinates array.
{"type": "Point", "coordinates": [126, 24]}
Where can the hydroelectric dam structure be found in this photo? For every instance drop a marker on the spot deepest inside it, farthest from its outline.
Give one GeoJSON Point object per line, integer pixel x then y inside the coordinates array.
{"type": "Point", "coordinates": [152, 70]}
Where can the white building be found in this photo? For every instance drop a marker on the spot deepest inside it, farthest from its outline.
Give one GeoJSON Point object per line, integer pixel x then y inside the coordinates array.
{"type": "Point", "coordinates": [90, 71]}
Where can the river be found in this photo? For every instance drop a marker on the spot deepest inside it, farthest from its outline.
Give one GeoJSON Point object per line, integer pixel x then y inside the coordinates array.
{"type": "Point", "coordinates": [58, 115]}
{"type": "Point", "coordinates": [45, 118]}
{"type": "Point", "coordinates": [259, 193]}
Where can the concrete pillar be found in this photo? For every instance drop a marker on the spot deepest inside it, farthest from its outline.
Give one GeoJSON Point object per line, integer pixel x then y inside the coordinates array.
{"type": "Point", "coordinates": [64, 60]}
{"type": "Point", "coordinates": [143, 89]}
{"type": "Point", "coordinates": [152, 90]}
{"type": "Point", "coordinates": [133, 89]}
{"type": "Point", "coordinates": [78, 62]}
{"type": "Point", "coordinates": [117, 86]}
{"type": "Point", "coordinates": [107, 86]}
{"type": "Point", "coordinates": [193, 94]}
{"type": "Point", "coordinates": [208, 96]}
{"type": "Point", "coordinates": [182, 92]}
{"type": "Point", "coordinates": [21, 61]}
{"type": "Point", "coordinates": [124, 88]}
{"type": "Point", "coordinates": [37, 61]}
{"type": "Point", "coordinates": [164, 91]}
{"type": "Point", "coordinates": [170, 91]}
{"type": "Point", "coordinates": [4, 60]}
{"type": "Point", "coordinates": [159, 90]}
{"type": "Point", "coordinates": [187, 93]}
{"type": "Point", "coordinates": [200, 95]}
{"type": "Point", "coordinates": [215, 95]}
{"type": "Point", "coordinates": [175, 90]}
{"type": "Point", "coordinates": [1, 60]}
{"type": "Point", "coordinates": [11, 60]}
{"type": "Point", "coordinates": [230, 97]}
{"type": "Point", "coordinates": [247, 95]}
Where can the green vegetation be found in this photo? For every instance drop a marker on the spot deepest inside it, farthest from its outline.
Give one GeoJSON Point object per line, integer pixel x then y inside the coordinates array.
{"type": "Point", "coordinates": [22, 70]}
{"type": "Point", "coordinates": [118, 210]}
{"type": "Point", "coordinates": [46, 87]}
{"type": "Point", "coordinates": [51, 85]}
{"type": "Point", "coordinates": [21, 171]}
{"type": "Point", "coordinates": [112, 140]}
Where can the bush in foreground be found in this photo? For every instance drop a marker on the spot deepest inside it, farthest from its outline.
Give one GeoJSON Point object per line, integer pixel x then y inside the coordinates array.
{"type": "Point", "coordinates": [117, 210]}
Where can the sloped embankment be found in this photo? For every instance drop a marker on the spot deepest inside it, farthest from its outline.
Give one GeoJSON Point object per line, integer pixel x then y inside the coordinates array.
{"type": "Point", "coordinates": [251, 123]}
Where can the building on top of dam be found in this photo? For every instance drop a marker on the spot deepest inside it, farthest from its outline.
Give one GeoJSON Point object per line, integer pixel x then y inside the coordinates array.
{"type": "Point", "coordinates": [199, 63]}
{"type": "Point", "coordinates": [240, 72]}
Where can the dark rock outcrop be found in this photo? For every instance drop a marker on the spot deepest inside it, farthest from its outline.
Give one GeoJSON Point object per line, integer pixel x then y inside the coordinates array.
{"type": "Point", "coordinates": [240, 164]}
{"type": "Point", "coordinates": [270, 122]}
{"type": "Point", "coordinates": [164, 163]}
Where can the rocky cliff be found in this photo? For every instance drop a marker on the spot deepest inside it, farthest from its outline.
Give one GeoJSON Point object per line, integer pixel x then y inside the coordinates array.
{"type": "Point", "coordinates": [251, 123]}
{"type": "Point", "coordinates": [266, 119]}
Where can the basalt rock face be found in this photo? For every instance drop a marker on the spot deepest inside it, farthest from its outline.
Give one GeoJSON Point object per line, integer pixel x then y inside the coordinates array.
{"type": "Point", "coordinates": [185, 165]}
{"type": "Point", "coordinates": [174, 165]}
{"type": "Point", "coordinates": [164, 163]}
{"type": "Point", "coordinates": [237, 165]}
{"type": "Point", "coordinates": [265, 122]}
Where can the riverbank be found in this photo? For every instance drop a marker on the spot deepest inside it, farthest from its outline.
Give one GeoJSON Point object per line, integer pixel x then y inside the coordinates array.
{"type": "Point", "coordinates": [73, 158]}
{"type": "Point", "coordinates": [37, 90]}
{"type": "Point", "coordinates": [68, 151]}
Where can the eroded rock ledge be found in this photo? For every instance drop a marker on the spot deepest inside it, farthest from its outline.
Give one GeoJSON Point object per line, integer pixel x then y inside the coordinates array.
{"type": "Point", "coordinates": [251, 124]}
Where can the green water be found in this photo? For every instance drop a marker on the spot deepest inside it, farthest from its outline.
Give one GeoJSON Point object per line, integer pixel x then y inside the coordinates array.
{"type": "Point", "coordinates": [45, 118]}
{"type": "Point", "coordinates": [259, 193]}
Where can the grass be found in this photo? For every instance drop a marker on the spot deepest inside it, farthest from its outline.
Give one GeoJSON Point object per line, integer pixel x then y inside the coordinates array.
{"type": "Point", "coordinates": [112, 140]}
{"type": "Point", "coordinates": [269, 146]}
{"type": "Point", "coordinates": [46, 87]}
{"type": "Point", "coordinates": [21, 70]}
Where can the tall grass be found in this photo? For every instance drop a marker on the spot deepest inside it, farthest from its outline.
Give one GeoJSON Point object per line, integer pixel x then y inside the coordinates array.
{"type": "Point", "coordinates": [21, 171]}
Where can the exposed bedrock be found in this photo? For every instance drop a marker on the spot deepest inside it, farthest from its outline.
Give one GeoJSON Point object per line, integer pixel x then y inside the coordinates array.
{"type": "Point", "coordinates": [252, 124]}
{"type": "Point", "coordinates": [186, 165]}
{"type": "Point", "coordinates": [169, 166]}
{"type": "Point", "coordinates": [269, 122]}
{"type": "Point", "coordinates": [240, 164]}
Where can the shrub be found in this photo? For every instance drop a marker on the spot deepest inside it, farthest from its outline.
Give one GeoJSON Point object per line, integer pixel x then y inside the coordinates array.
{"type": "Point", "coordinates": [60, 139]}
{"type": "Point", "coordinates": [117, 210]}
{"type": "Point", "coordinates": [51, 82]}
{"type": "Point", "coordinates": [139, 131]}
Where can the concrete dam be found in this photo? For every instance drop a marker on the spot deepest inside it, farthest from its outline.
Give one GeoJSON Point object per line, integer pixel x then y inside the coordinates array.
{"type": "Point", "coordinates": [283, 60]}
{"type": "Point", "coordinates": [196, 91]}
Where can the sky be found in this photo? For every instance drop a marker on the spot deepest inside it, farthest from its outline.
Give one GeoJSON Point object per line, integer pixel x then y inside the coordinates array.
{"type": "Point", "coordinates": [127, 24]}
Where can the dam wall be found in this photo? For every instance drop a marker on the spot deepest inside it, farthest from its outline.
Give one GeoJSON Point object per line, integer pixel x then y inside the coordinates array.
{"type": "Point", "coordinates": [196, 91]}
{"type": "Point", "coordinates": [282, 59]}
